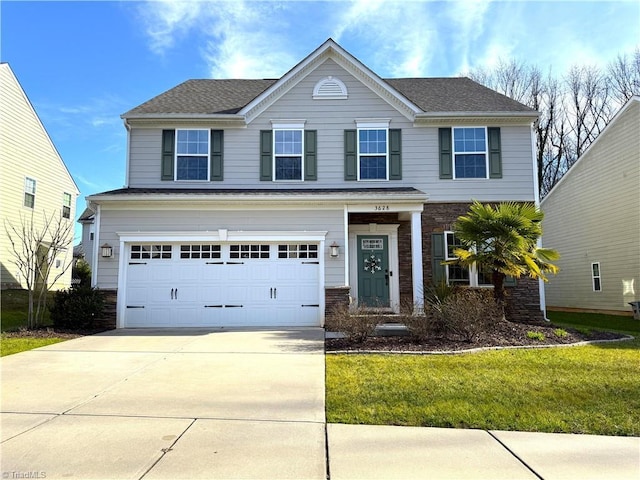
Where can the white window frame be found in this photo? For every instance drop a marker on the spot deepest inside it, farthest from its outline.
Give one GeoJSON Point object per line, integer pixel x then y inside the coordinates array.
{"type": "Point", "coordinates": [454, 152]}
{"type": "Point", "coordinates": [473, 269]}
{"type": "Point", "coordinates": [595, 277]}
{"type": "Point", "coordinates": [382, 124]}
{"type": "Point", "coordinates": [66, 196]}
{"type": "Point", "coordinates": [177, 154]}
{"type": "Point", "coordinates": [28, 191]}
{"type": "Point", "coordinates": [287, 128]}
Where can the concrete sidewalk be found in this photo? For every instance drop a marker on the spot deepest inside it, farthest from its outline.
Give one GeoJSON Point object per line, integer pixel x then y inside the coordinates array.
{"type": "Point", "coordinates": [388, 452]}
{"type": "Point", "coordinates": [243, 404]}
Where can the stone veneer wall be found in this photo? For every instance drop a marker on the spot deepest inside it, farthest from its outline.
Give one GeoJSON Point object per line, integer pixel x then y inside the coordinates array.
{"type": "Point", "coordinates": [108, 318]}
{"type": "Point", "coordinates": [336, 298]}
{"type": "Point", "coordinates": [523, 300]}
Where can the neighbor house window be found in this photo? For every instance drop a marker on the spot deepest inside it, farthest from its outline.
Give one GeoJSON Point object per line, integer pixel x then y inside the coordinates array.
{"type": "Point", "coordinates": [192, 155]}
{"type": "Point", "coordinates": [373, 153]}
{"type": "Point", "coordinates": [459, 275]}
{"type": "Point", "coordinates": [29, 192]}
{"type": "Point", "coordinates": [287, 154]}
{"type": "Point", "coordinates": [66, 205]}
{"type": "Point", "coordinates": [595, 275]}
{"type": "Point", "coordinates": [470, 152]}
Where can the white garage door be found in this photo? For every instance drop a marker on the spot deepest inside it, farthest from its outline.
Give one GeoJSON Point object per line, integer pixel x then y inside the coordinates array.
{"type": "Point", "coordinates": [195, 285]}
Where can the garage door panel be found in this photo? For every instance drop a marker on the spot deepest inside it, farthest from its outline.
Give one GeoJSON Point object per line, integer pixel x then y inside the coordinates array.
{"type": "Point", "coordinates": [191, 292]}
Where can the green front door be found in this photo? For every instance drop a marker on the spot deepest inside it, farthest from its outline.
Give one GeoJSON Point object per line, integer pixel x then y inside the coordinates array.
{"type": "Point", "coordinates": [373, 270]}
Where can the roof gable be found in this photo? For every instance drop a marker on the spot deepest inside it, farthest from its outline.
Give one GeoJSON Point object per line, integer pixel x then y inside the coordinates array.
{"type": "Point", "coordinates": [248, 98]}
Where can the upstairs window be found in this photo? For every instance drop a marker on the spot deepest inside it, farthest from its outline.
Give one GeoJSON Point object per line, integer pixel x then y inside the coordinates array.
{"type": "Point", "coordinates": [66, 205]}
{"type": "Point", "coordinates": [470, 152]}
{"type": "Point", "coordinates": [29, 192]}
{"type": "Point", "coordinates": [192, 155]}
{"type": "Point", "coordinates": [372, 154]}
{"type": "Point", "coordinates": [287, 154]}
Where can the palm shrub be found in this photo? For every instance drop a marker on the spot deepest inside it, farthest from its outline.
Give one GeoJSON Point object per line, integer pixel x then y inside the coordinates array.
{"type": "Point", "coordinates": [504, 240]}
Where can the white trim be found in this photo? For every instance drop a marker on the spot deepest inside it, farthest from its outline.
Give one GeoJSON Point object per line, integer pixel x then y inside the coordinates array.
{"type": "Point", "coordinates": [176, 154]}
{"type": "Point", "coordinates": [288, 124]}
{"type": "Point", "coordinates": [231, 236]}
{"type": "Point", "coordinates": [359, 155]}
{"type": "Point", "coordinates": [390, 231]}
{"type": "Point", "coordinates": [346, 246]}
{"type": "Point", "coordinates": [271, 237]}
{"type": "Point", "coordinates": [453, 152]}
{"type": "Point", "coordinates": [343, 95]}
{"type": "Point", "coordinates": [372, 123]}
{"type": "Point", "coordinates": [96, 248]}
{"type": "Point", "coordinates": [128, 154]}
{"type": "Point", "coordinates": [292, 128]}
{"type": "Point", "coordinates": [417, 275]}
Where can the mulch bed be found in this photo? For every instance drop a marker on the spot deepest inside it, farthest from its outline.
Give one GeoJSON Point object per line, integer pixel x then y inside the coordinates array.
{"type": "Point", "coordinates": [50, 332]}
{"type": "Point", "coordinates": [505, 334]}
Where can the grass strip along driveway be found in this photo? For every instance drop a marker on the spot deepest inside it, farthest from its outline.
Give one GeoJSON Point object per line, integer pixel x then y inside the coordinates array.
{"type": "Point", "coordinates": [587, 389]}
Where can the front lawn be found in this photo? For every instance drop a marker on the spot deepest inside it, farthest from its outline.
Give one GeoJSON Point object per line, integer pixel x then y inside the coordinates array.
{"type": "Point", "coordinates": [11, 345]}
{"type": "Point", "coordinates": [588, 389]}
{"type": "Point", "coordinates": [14, 307]}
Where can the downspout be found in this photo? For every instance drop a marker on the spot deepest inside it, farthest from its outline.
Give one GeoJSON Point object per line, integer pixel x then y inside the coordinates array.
{"type": "Point", "coordinates": [536, 196]}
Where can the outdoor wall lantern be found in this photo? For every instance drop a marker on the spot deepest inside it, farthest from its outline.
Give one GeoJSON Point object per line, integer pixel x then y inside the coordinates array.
{"type": "Point", "coordinates": [334, 250]}
{"type": "Point", "coordinates": [107, 250]}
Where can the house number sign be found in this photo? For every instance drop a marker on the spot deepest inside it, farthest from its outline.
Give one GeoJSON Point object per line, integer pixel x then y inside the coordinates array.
{"type": "Point", "coordinates": [381, 208]}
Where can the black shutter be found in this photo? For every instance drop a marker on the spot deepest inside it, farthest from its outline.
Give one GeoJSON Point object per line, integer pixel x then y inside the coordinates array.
{"type": "Point", "coordinates": [310, 156]}
{"type": "Point", "coordinates": [350, 155]}
{"type": "Point", "coordinates": [495, 153]}
{"type": "Point", "coordinates": [395, 154]}
{"type": "Point", "coordinates": [266, 156]}
{"type": "Point", "coordinates": [217, 151]}
{"type": "Point", "coordinates": [446, 158]}
{"type": "Point", "coordinates": [168, 148]}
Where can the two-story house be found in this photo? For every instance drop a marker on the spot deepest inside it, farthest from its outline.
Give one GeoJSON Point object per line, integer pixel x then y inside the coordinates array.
{"type": "Point", "coordinates": [35, 186]}
{"type": "Point", "coordinates": [266, 202]}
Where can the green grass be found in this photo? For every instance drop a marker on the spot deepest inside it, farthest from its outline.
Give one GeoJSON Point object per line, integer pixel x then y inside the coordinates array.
{"type": "Point", "coordinates": [9, 346]}
{"type": "Point", "coordinates": [13, 309]}
{"type": "Point", "coordinates": [589, 389]}
{"type": "Point", "coordinates": [596, 321]}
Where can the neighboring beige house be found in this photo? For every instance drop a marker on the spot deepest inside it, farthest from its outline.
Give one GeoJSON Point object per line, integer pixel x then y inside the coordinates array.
{"type": "Point", "coordinates": [592, 217]}
{"type": "Point", "coordinates": [34, 179]}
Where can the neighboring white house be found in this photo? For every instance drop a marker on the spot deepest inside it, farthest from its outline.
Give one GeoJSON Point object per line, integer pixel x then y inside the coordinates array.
{"type": "Point", "coordinates": [267, 202]}
{"type": "Point", "coordinates": [592, 217]}
{"type": "Point", "coordinates": [34, 180]}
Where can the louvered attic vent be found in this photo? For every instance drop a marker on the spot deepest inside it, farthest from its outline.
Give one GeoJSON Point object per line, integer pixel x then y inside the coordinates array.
{"type": "Point", "coordinates": [330, 88]}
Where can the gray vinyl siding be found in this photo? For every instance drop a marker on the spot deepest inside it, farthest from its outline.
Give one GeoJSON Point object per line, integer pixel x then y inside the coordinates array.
{"type": "Point", "coordinates": [202, 220]}
{"type": "Point", "coordinates": [330, 118]}
{"type": "Point", "coordinates": [593, 215]}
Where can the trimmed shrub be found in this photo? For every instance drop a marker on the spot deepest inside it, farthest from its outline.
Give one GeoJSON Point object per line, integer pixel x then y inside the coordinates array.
{"type": "Point", "coordinates": [76, 308]}
{"type": "Point", "coordinates": [468, 313]}
{"type": "Point", "coordinates": [356, 323]}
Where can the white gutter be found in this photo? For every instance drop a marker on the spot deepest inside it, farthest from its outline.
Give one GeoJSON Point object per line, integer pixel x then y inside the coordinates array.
{"type": "Point", "coordinates": [96, 247]}
{"type": "Point", "coordinates": [128, 155]}
{"type": "Point", "coordinates": [536, 196]}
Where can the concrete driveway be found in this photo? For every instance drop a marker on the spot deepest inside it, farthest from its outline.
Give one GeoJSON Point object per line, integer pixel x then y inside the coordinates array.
{"type": "Point", "coordinates": [167, 404]}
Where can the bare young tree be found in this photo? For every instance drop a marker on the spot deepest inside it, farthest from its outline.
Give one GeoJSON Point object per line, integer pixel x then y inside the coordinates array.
{"type": "Point", "coordinates": [624, 76]}
{"type": "Point", "coordinates": [36, 250]}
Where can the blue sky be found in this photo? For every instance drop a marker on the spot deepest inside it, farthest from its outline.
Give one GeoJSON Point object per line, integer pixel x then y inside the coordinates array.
{"type": "Point", "coordinates": [83, 64]}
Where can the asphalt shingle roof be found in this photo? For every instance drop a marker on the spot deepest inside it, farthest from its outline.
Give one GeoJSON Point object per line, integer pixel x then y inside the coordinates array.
{"type": "Point", "coordinates": [458, 94]}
